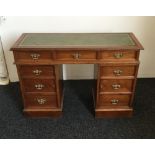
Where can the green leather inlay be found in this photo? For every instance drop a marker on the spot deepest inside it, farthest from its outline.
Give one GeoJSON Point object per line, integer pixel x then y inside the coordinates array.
{"type": "Point", "coordinates": [78, 39]}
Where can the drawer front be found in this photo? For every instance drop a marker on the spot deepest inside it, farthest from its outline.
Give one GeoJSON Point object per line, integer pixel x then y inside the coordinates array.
{"type": "Point", "coordinates": [39, 85]}
{"type": "Point", "coordinates": [32, 56]}
{"type": "Point", "coordinates": [36, 71]}
{"type": "Point", "coordinates": [118, 55]}
{"type": "Point", "coordinates": [75, 55]}
{"type": "Point", "coordinates": [40, 101]}
{"type": "Point", "coordinates": [116, 85]}
{"type": "Point", "coordinates": [114, 100]}
{"type": "Point", "coordinates": [117, 71]}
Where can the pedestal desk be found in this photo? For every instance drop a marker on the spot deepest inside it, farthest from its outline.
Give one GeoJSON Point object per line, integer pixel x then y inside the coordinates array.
{"type": "Point", "coordinates": [39, 58]}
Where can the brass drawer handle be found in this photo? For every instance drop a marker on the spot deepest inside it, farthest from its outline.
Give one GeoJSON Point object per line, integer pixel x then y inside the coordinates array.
{"type": "Point", "coordinates": [41, 100]}
{"type": "Point", "coordinates": [37, 72]}
{"type": "Point", "coordinates": [79, 55]}
{"type": "Point", "coordinates": [35, 56]}
{"type": "Point", "coordinates": [39, 86]}
{"type": "Point", "coordinates": [114, 101]}
{"type": "Point", "coordinates": [75, 56]}
{"type": "Point", "coordinates": [118, 72]}
{"type": "Point", "coordinates": [116, 86]}
{"type": "Point", "coordinates": [118, 55]}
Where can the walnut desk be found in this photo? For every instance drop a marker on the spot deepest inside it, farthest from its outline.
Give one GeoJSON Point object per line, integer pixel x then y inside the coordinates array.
{"type": "Point", "coordinates": [39, 58]}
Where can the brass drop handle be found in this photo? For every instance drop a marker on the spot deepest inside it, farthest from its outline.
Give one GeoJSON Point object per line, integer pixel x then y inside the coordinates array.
{"type": "Point", "coordinates": [116, 86]}
{"type": "Point", "coordinates": [35, 56]}
{"type": "Point", "coordinates": [114, 101]}
{"type": "Point", "coordinates": [118, 55]}
{"type": "Point", "coordinates": [118, 72]}
{"type": "Point", "coordinates": [37, 72]}
{"type": "Point", "coordinates": [79, 55]}
{"type": "Point", "coordinates": [41, 100]}
{"type": "Point", "coordinates": [75, 56]}
{"type": "Point", "coordinates": [39, 86]}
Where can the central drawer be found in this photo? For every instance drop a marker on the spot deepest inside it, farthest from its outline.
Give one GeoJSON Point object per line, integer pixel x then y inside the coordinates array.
{"type": "Point", "coordinates": [39, 85]}
{"type": "Point", "coordinates": [121, 85]}
{"type": "Point", "coordinates": [40, 101]}
{"type": "Point", "coordinates": [76, 55]}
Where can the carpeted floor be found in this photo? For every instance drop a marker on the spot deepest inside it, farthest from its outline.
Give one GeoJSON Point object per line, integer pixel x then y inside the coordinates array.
{"type": "Point", "coordinates": [78, 120]}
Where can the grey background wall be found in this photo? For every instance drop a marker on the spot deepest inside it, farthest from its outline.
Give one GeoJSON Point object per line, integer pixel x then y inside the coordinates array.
{"type": "Point", "coordinates": [142, 27]}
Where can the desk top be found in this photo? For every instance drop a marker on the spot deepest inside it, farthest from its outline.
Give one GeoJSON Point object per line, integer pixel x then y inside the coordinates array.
{"type": "Point", "coordinates": [77, 40]}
